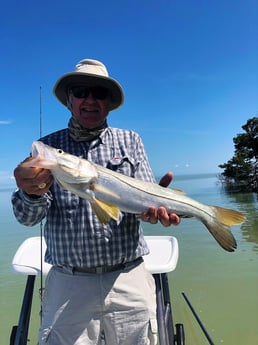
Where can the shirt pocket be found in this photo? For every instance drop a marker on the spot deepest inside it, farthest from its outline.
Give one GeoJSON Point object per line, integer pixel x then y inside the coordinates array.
{"type": "Point", "coordinates": [124, 165]}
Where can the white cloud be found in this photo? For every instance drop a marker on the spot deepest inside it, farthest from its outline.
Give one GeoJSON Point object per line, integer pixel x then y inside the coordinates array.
{"type": "Point", "coordinates": [6, 177]}
{"type": "Point", "coordinates": [5, 122]}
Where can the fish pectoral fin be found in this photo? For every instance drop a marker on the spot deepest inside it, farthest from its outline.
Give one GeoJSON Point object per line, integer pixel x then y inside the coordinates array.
{"type": "Point", "coordinates": [104, 211]}
{"type": "Point", "coordinates": [104, 190]}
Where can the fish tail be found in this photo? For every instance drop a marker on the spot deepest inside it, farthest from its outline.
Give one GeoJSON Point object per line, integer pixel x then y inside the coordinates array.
{"type": "Point", "coordinates": [220, 226]}
{"type": "Point", "coordinates": [229, 217]}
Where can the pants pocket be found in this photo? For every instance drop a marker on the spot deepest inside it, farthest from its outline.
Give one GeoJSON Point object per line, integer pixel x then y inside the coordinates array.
{"type": "Point", "coordinates": [153, 332]}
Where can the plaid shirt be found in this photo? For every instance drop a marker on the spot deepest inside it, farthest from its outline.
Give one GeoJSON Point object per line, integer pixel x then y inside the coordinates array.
{"type": "Point", "coordinates": [73, 234]}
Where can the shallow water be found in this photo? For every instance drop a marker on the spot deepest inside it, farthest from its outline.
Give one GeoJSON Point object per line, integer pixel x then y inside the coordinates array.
{"type": "Point", "coordinates": [222, 287]}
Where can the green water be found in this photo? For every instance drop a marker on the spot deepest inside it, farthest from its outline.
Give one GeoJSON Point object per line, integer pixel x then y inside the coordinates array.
{"type": "Point", "coordinates": [222, 287]}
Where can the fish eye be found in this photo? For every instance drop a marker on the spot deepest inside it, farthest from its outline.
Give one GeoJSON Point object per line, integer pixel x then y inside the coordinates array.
{"type": "Point", "coordinates": [60, 151]}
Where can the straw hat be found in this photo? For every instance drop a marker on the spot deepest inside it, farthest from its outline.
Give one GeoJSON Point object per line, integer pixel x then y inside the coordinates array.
{"type": "Point", "coordinates": [89, 71]}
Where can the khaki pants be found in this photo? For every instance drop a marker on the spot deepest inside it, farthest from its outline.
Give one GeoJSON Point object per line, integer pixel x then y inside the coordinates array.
{"type": "Point", "coordinates": [115, 308]}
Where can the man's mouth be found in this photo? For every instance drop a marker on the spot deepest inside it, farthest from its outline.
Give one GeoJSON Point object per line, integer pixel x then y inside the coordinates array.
{"type": "Point", "coordinates": [89, 110]}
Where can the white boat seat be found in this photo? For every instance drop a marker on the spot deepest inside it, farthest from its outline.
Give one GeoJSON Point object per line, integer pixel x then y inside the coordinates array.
{"type": "Point", "coordinates": [163, 255]}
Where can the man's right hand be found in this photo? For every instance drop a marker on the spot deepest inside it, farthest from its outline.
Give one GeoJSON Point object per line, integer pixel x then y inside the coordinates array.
{"type": "Point", "coordinates": [33, 181]}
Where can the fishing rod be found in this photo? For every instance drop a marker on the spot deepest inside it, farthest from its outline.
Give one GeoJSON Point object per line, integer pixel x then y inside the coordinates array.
{"type": "Point", "coordinates": [198, 320]}
{"type": "Point", "coordinates": [41, 223]}
{"type": "Point", "coordinates": [19, 333]}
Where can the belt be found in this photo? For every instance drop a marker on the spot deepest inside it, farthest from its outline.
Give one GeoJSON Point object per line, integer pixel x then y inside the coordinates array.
{"type": "Point", "coordinates": [105, 269]}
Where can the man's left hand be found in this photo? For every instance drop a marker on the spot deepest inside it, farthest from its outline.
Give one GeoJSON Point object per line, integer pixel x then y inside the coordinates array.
{"type": "Point", "coordinates": [153, 214]}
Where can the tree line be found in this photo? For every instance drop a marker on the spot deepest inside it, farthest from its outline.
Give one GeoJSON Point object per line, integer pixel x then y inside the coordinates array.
{"type": "Point", "coordinates": [241, 171]}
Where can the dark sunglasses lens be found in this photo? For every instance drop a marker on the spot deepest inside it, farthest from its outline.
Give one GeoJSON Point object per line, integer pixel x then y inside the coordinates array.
{"type": "Point", "coordinates": [99, 92]}
{"type": "Point", "coordinates": [80, 92]}
{"type": "Point", "coordinates": [83, 92]}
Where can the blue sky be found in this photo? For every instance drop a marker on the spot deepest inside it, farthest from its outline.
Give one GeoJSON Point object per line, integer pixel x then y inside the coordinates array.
{"type": "Point", "coordinates": [189, 70]}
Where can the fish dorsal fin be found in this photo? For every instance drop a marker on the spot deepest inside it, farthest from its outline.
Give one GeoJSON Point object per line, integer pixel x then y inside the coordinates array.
{"type": "Point", "coordinates": [104, 211]}
{"type": "Point", "coordinates": [178, 191]}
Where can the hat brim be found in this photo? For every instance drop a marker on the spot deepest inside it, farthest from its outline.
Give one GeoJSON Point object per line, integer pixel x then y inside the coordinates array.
{"type": "Point", "coordinates": [67, 80]}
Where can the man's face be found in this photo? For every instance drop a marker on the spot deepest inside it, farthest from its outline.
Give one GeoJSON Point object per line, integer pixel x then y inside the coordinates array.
{"type": "Point", "coordinates": [89, 104]}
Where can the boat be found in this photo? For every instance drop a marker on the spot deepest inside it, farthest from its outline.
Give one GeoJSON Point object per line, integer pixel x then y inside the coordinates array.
{"type": "Point", "coordinates": [162, 259]}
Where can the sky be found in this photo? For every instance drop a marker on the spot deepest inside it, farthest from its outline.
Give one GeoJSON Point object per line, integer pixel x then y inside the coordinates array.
{"type": "Point", "coordinates": [189, 70]}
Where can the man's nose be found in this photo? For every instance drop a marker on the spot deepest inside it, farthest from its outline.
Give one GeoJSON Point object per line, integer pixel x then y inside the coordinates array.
{"type": "Point", "coordinates": [90, 97]}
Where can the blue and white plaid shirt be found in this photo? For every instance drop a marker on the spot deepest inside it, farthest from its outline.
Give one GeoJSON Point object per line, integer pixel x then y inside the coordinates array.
{"type": "Point", "coordinates": [73, 234]}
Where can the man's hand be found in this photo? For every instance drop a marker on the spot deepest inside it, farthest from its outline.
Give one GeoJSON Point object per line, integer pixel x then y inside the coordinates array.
{"type": "Point", "coordinates": [33, 181]}
{"type": "Point", "coordinates": [153, 215]}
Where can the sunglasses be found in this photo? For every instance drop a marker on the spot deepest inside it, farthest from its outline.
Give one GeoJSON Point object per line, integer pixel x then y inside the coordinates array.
{"type": "Point", "coordinates": [97, 92]}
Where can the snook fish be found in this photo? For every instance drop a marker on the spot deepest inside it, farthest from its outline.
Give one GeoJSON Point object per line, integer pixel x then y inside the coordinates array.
{"type": "Point", "coordinates": [109, 192]}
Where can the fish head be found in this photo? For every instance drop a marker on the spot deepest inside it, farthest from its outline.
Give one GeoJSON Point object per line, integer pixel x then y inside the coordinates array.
{"type": "Point", "coordinates": [42, 156]}
{"type": "Point", "coordinates": [63, 166]}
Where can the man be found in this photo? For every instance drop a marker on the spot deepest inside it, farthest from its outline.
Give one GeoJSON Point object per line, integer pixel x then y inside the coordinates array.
{"type": "Point", "coordinates": [98, 290]}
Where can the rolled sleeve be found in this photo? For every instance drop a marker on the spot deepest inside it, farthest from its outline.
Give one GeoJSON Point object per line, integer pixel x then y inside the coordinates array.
{"type": "Point", "coordinates": [30, 211]}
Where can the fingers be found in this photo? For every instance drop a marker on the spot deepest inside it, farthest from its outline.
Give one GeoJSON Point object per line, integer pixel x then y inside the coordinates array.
{"type": "Point", "coordinates": [166, 179]}
{"type": "Point", "coordinates": [174, 219]}
{"type": "Point", "coordinates": [153, 215]}
{"type": "Point", "coordinates": [42, 182]}
{"type": "Point", "coordinates": [150, 215]}
{"type": "Point", "coordinates": [34, 181]}
{"type": "Point", "coordinates": [167, 219]}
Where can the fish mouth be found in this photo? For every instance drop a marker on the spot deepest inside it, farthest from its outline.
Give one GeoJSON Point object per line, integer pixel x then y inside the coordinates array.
{"type": "Point", "coordinates": [40, 158]}
{"type": "Point", "coordinates": [35, 151]}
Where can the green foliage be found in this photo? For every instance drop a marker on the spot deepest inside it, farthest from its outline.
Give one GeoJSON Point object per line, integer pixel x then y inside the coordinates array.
{"type": "Point", "coordinates": [241, 171]}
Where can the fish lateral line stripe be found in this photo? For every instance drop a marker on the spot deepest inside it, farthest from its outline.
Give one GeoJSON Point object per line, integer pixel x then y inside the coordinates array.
{"type": "Point", "coordinates": [135, 186]}
{"type": "Point", "coordinates": [213, 209]}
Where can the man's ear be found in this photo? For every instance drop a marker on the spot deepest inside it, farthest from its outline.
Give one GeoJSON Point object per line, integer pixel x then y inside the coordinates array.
{"type": "Point", "coordinates": [69, 102]}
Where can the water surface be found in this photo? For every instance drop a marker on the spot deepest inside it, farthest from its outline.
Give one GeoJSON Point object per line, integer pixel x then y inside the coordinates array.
{"type": "Point", "coordinates": [222, 286]}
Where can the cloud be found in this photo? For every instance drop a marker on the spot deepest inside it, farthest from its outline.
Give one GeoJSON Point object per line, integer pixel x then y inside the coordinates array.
{"type": "Point", "coordinates": [6, 177]}
{"type": "Point", "coordinates": [186, 165]}
{"type": "Point", "coordinates": [5, 122]}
